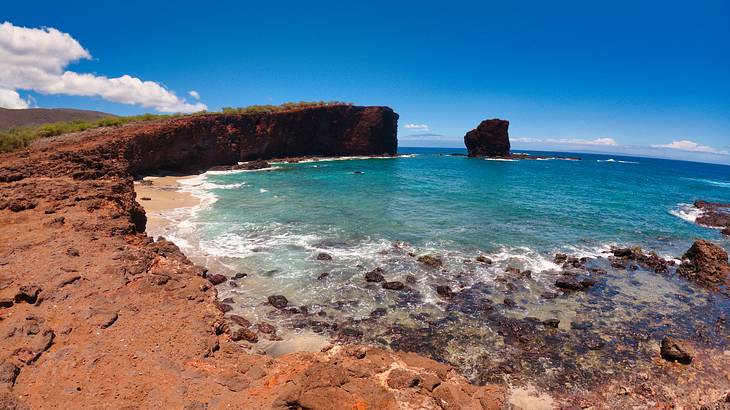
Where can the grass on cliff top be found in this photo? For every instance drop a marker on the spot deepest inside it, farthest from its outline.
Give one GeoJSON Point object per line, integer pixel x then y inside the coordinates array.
{"type": "Point", "coordinates": [19, 138]}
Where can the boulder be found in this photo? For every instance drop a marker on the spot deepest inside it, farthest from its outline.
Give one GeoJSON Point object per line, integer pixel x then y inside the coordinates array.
{"type": "Point", "coordinates": [278, 301]}
{"type": "Point", "coordinates": [705, 263]}
{"type": "Point", "coordinates": [673, 351]}
{"type": "Point", "coordinates": [489, 139]}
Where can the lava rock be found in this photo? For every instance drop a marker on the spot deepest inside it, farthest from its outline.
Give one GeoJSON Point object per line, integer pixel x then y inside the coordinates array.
{"type": "Point", "coordinates": [431, 261]}
{"type": "Point", "coordinates": [673, 351]}
{"type": "Point", "coordinates": [445, 291]}
{"type": "Point", "coordinates": [216, 279]}
{"type": "Point", "coordinates": [240, 321]}
{"type": "Point", "coordinates": [394, 285]}
{"type": "Point", "coordinates": [266, 328]}
{"type": "Point", "coordinates": [375, 275]}
{"type": "Point", "coordinates": [483, 259]}
{"type": "Point", "coordinates": [244, 334]}
{"type": "Point", "coordinates": [324, 257]}
{"type": "Point", "coordinates": [489, 139]}
{"type": "Point", "coordinates": [705, 263]}
{"type": "Point", "coordinates": [278, 301]}
{"type": "Point", "coordinates": [571, 283]}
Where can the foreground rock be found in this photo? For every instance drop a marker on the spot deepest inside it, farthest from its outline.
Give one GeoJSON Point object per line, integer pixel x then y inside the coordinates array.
{"type": "Point", "coordinates": [489, 139]}
{"type": "Point", "coordinates": [707, 264]}
{"type": "Point", "coordinates": [127, 322]}
{"type": "Point", "coordinates": [673, 351]}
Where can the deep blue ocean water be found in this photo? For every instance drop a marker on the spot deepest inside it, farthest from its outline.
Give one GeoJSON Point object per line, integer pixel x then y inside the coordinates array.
{"type": "Point", "coordinates": [385, 212]}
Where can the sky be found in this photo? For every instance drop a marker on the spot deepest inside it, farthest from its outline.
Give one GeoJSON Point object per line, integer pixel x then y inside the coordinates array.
{"type": "Point", "coordinates": [628, 77]}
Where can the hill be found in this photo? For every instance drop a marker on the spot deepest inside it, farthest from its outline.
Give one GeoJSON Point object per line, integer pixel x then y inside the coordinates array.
{"type": "Point", "coordinates": [10, 118]}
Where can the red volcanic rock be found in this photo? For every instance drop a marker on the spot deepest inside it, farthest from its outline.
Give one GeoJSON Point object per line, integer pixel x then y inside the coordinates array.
{"type": "Point", "coordinates": [489, 139]}
{"type": "Point", "coordinates": [707, 264]}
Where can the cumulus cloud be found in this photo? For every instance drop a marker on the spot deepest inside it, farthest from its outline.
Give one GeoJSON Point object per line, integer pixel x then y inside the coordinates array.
{"type": "Point", "coordinates": [11, 99]}
{"type": "Point", "coordinates": [419, 127]}
{"type": "Point", "coordinates": [36, 59]}
{"type": "Point", "coordinates": [194, 94]}
{"type": "Point", "coordinates": [572, 141]}
{"type": "Point", "coordinates": [687, 145]}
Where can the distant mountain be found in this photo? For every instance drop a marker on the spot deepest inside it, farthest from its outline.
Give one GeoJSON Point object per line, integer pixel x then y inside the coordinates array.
{"type": "Point", "coordinates": [10, 118]}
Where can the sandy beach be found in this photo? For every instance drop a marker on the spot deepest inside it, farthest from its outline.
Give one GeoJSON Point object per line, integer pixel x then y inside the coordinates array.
{"type": "Point", "coordinates": [163, 193]}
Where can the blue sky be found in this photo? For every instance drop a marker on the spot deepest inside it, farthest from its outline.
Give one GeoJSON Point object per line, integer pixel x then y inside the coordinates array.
{"type": "Point", "coordinates": [581, 76]}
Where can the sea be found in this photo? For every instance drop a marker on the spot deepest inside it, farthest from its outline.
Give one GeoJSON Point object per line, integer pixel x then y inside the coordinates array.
{"type": "Point", "coordinates": [311, 230]}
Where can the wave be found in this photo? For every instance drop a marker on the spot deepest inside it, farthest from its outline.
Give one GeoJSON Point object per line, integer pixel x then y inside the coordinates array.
{"type": "Point", "coordinates": [722, 184]}
{"type": "Point", "coordinates": [501, 159]}
{"type": "Point", "coordinates": [617, 161]}
{"type": "Point", "coordinates": [688, 212]}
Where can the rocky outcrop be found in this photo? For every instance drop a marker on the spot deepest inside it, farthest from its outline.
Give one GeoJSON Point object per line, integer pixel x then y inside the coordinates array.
{"type": "Point", "coordinates": [489, 139]}
{"type": "Point", "coordinates": [714, 215]}
{"type": "Point", "coordinates": [706, 264]}
{"type": "Point", "coordinates": [117, 320]}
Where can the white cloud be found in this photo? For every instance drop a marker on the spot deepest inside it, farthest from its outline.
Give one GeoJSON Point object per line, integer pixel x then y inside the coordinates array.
{"type": "Point", "coordinates": [36, 59]}
{"type": "Point", "coordinates": [419, 127]}
{"type": "Point", "coordinates": [11, 99]}
{"type": "Point", "coordinates": [194, 94]}
{"type": "Point", "coordinates": [571, 141]}
{"type": "Point", "coordinates": [687, 145]}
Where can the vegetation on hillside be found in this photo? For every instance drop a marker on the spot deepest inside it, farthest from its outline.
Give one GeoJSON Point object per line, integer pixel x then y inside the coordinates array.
{"type": "Point", "coordinates": [18, 138]}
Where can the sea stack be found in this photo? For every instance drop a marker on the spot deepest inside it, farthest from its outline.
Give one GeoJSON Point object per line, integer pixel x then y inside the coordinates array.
{"type": "Point", "coordinates": [489, 139]}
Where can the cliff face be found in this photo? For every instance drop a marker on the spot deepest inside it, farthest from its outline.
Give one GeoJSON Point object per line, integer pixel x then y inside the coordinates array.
{"type": "Point", "coordinates": [199, 142]}
{"type": "Point", "coordinates": [489, 139]}
{"type": "Point", "coordinates": [94, 313]}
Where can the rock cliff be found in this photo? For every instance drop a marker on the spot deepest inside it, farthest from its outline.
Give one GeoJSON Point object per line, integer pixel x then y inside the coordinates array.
{"type": "Point", "coordinates": [489, 139]}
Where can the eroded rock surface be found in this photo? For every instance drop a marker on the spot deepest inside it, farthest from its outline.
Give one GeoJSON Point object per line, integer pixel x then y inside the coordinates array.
{"type": "Point", "coordinates": [489, 139]}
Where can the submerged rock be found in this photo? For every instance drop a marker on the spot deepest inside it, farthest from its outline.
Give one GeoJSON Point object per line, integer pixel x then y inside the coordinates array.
{"type": "Point", "coordinates": [278, 301]}
{"type": "Point", "coordinates": [673, 351]}
{"type": "Point", "coordinates": [489, 139]}
{"type": "Point", "coordinates": [394, 285]}
{"type": "Point", "coordinates": [324, 257]}
{"type": "Point", "coordinates": [431, 261]}
{"type": "Point", "coordinates": [216, 279]}
{"type": "Point", "coordinates": [572, 283]}
{"type": "Point", "coordinates": [483, 259]}
{"type": "Point", "coordinates": [375, 275]}
{"type": "Point", "coordinates": [445, 291]}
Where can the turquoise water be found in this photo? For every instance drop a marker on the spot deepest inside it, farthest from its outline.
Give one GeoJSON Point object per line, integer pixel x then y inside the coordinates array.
{"type": "Point", "coordinates": [384, 213]}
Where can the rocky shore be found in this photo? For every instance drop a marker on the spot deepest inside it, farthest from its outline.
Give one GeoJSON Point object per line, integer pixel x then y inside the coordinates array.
{"type": "Point", "coordinates": [97, 314]}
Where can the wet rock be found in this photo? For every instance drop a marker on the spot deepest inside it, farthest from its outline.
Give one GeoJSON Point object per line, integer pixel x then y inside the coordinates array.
{"type": "Point", "coordinates": [673, 351]}
{"type": "Point", "coordinates": [713, 214]}
{"type": "Point", "coordinates": [483, 259]}
{"type": "Point", "coordinates": [266, 328]}
{"type": "Point", "coordinates": [726, 231]}
{"type": "Point", "coordinates": [430, 261]}
{"type": "Point", "coordinates": [323, 275]}
{"type": "Point", "coordinates": [560, 258]}
{"type": "Point", "coordinates": [411, 279]}
{"type": "Point", "coordinates": [375, 275]}
{"type": "Point", "coordinates": [650, 261]}
{"type": "Point", "coordinates": [324, 257]}
{"type": "Point", "coordinates": [216, 279]}
{"type": "Point", "coordinates": [278, 301]}
{"type": "Point", "coordinates": [444, 291]}
{"type": "Point", "coordinates": [705, 263]}
{"type": "Point", "coordinates": [239, 275]}
{"type": "Point", "coordinates": [223, 307]}
{"type": "Point", "coordinates": [240, 320]}
{"type": "Point", "coordinates": [581, 325]}
{"type": "Point", "coordinates": [509, 302]}
{"type": "Point", "coordinates": [551, 323]}
{"type": "Point", "coordinates": [393, 285]}
{"type": "Point", "coordinates": [378, 312]}
{"type": "Point", "coordinates": [572, 283]}
{"type": "Point", "coordinates": [244, 334]}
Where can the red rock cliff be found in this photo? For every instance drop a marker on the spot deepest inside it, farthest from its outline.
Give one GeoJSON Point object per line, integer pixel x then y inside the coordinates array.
{"type": "Point", "coordinates": [489, 139]}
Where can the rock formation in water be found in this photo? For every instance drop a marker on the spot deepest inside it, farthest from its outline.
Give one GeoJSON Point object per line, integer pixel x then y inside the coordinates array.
{"type": "Point", "coordinates": [707, 264]}
{"type": "Point", "coordinates": [489, 139]}
{"type": "Point", "coordinates": [115, 319]}
{"type": "Point", "coordinates": [714, 215]}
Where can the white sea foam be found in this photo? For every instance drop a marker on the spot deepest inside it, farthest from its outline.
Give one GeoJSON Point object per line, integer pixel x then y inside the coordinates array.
{"type": "Point", "coordinates": [617, 161]}
{"type": "Point", "coordinates": [722, 184]}
{"type": "Point", "coordinates": [500, 159]}
{"type": "Point", "coordinates": [688, 212]}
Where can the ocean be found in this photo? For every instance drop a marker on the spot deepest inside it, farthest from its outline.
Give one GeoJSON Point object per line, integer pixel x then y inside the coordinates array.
{"type": "Point", "coordinates": [367, 213]}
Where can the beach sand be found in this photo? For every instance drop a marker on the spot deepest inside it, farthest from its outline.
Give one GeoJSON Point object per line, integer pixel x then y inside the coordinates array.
{"type": "Point", "coordinates": [162, 193]}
